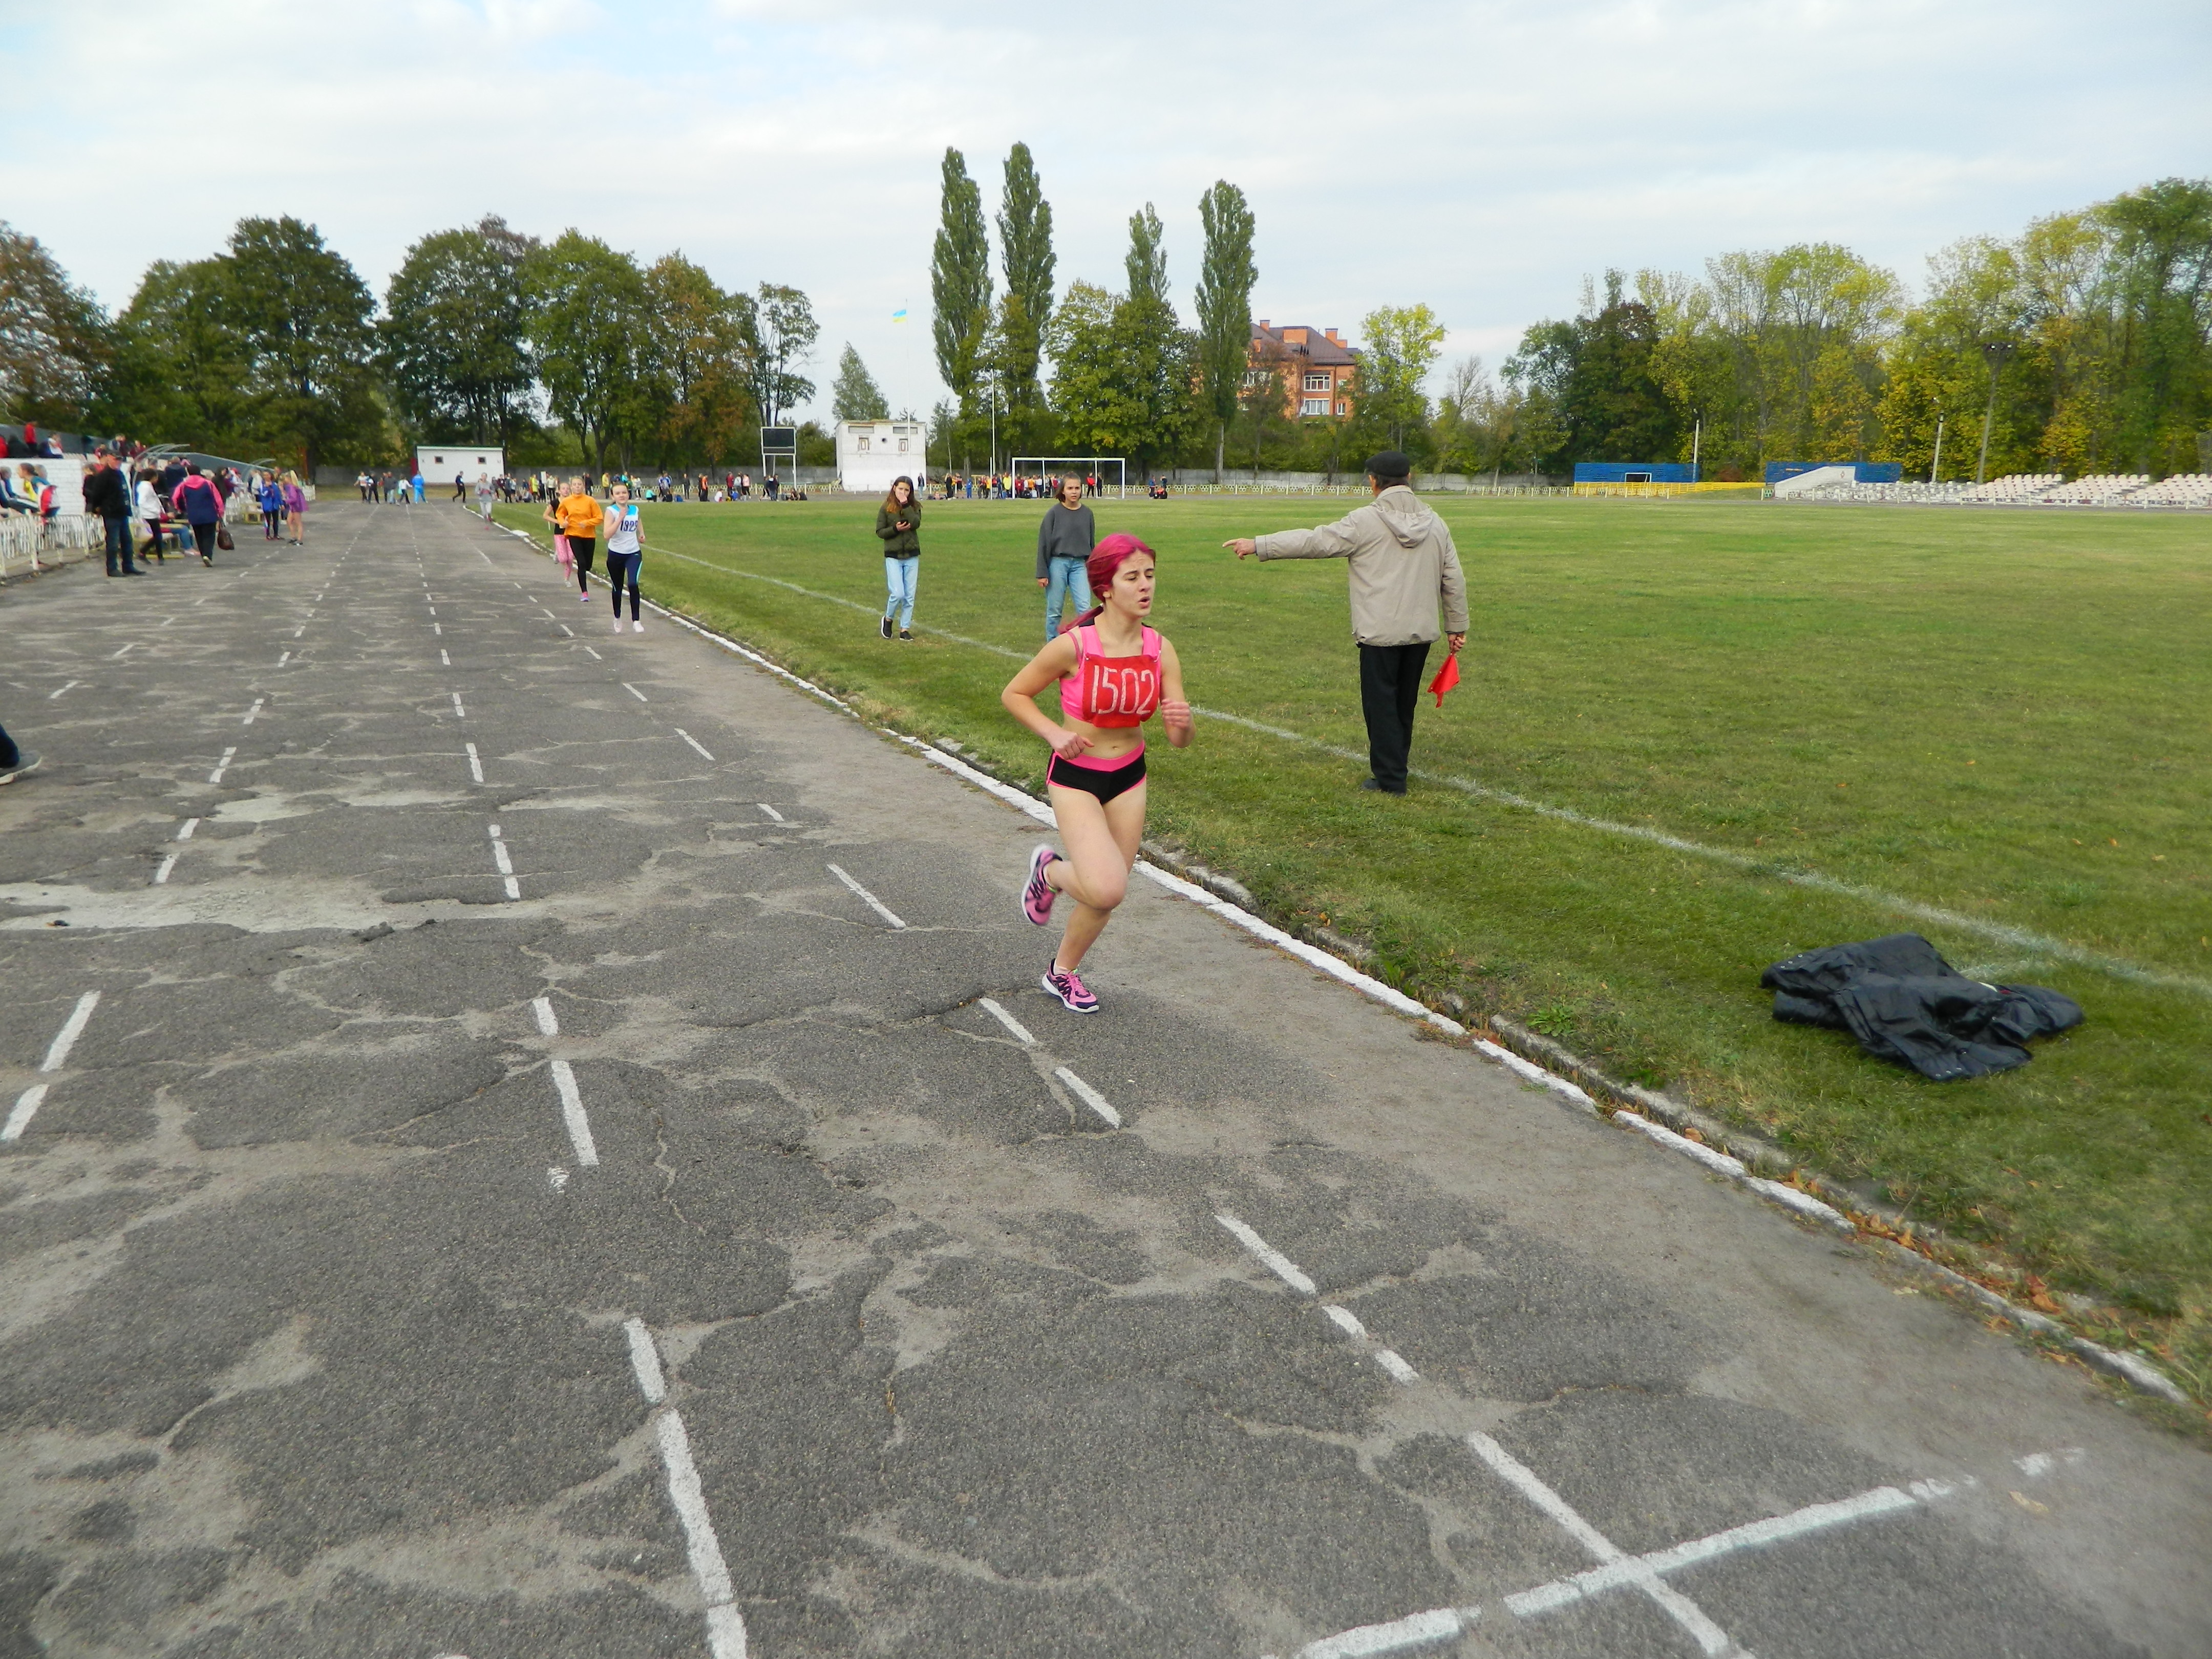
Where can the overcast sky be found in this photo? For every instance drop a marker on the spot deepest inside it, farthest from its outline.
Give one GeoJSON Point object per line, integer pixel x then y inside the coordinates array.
{"type": "Point", "coordinates": [1479, 157]}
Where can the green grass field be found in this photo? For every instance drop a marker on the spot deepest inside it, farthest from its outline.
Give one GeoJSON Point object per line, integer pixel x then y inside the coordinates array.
{"type": "Point", "coordinates": [1998, 715]}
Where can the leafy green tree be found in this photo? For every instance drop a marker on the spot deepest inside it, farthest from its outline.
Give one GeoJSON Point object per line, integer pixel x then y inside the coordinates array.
{"type": "Point", "coordinates": [57, 347]}
{"type": "Point", "coordinates": [697, 354]}
{"type": "Point", "coordinates": [1124, 371]}
{"type": "Point", "coordinates": [854, 395]}
{"type": "Point", "coordinates": [1403, 342]}
{"type": "Point", "coordinates": [303, 319]}
{"type": "Point", "coordinates": [455, 334]}
{"type": "Point", "coordinates": [960, 282]}
{"type": "Point", "coordinates": [588, 312]}
{"type": "Point", "coordinates": [1146, 262]}
{"type": "Point", "coordinates": [1226, 280]}
{"type": "Point", "coordinates": [781, 330]}
{"type": "Point", "coordinates": [1263, 393]}
{"type": "Point", "coordinates": [180, 368]}
{"type": "Point", "coordinates": [1025, 252]}
{"type": "Point", "coordinates": [2161, 281]}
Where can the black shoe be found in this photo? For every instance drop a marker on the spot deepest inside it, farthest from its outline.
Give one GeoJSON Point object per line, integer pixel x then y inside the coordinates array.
{"type": "Point", "coordinates": [24, 761]}
{"type": "Point", "coordinates": [887, 627]}
{"type": "Point", "coordinates": [905, 635]}
{"type": "Point", "coordinates": [1381, 787]}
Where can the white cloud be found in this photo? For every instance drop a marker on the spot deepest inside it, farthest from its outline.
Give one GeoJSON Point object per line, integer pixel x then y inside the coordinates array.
{"type": "Point", "coordinates": [1481, 157]}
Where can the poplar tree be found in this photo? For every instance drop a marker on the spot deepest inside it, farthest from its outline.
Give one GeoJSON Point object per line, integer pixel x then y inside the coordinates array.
{"type": "Point", "coordinates": [1224, 307]}
{"type": "Point", "coordinates": [854, 395]}
{"type": "Point", "coordinates": [960, 280]}
{"type": "Point", "coordinates": [1147, 260]}
{"type": "Point", "coordinates": [1025, 254]}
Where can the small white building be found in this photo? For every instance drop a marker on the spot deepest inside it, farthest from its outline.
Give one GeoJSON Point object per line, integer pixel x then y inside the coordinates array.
{"type": "Point", "coordinates": [873, 454]}
{"type": "Point", "coordinates": [440, 464]}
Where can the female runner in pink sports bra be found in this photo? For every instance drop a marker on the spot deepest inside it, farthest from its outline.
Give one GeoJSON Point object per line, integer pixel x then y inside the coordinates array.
{"type": "Point", "coordinates": [1114, 673]}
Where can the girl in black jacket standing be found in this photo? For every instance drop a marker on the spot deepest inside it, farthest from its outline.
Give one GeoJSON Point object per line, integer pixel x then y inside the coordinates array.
{"type": "Point", "coordinates": [898, 522]}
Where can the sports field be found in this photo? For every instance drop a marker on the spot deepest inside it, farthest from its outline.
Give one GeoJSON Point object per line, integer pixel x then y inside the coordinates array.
{"type": "Point", "coordinates": [1987, 727]}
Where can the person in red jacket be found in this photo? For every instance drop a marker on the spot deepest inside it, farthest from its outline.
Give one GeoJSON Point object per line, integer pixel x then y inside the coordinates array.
{"type": "Point", "coordinates": [198, 503]}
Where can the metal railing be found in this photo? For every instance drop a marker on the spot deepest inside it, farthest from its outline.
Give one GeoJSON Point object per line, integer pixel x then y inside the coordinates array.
{"type": "Point", "coordinates": [28, 544]}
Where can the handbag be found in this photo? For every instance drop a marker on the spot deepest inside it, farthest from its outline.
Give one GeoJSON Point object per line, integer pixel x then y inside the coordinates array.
{"type": "Point", "coordinates": [222, 538]}
{"type": "Point", "coordinates": [563, 555]}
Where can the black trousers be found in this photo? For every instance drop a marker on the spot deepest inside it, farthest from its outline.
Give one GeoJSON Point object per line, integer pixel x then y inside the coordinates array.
{"type": "Point", "coordinates": [1389, 690]}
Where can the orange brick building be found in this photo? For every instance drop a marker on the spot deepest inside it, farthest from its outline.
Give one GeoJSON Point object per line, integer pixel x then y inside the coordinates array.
{"type": "Point", "coordinates": [1317, 368]}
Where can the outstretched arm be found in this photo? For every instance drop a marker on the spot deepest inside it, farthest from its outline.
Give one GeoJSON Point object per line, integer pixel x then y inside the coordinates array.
{"type": "Point", "coordinates": [1329, 541]}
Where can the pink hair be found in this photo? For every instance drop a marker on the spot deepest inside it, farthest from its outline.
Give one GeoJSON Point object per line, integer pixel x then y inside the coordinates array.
{"type": "Point", "coordinates": [1105, 559]}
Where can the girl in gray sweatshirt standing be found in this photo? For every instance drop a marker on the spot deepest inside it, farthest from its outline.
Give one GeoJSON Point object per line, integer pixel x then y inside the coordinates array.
{"type": "Point", "coordinates": [1065, 540]}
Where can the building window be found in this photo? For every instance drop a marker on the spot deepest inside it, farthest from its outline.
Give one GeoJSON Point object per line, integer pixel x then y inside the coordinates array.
{"type": "Point", "coordinates": [903, 442]}
{"type": "Point", "coordinates": [1314, 406]}
{"type": "Point", "coordinates": [1317, 382]}
{"type": "Point", "coordinates": [1255, 376]}
{"type": "Point", "coordinates": [865, 441]}
{"type": "Point", "coordinates": [1343, 409]}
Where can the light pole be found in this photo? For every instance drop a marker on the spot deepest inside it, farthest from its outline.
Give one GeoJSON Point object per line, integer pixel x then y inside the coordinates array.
{"type": "Point", "coordinates": [1697, 438]}
{"type": "Point", "coordinates": [1995, 354]}
{"type": "Point", "coordinates": [1936, 464]}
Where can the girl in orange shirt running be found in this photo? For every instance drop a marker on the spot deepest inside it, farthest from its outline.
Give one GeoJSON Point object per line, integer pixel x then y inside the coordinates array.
{"type": "Point", "coordinates": [1114, 673]}
{"type": "Point", "coordinates": [577, 516]}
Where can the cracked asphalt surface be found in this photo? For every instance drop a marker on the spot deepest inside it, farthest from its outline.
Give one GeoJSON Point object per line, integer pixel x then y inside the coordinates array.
{"type": "Point", "coordinates": [322, 1331]}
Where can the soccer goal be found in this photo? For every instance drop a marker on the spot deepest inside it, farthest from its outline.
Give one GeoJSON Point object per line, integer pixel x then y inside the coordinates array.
{"type": "Point", "coordinates": [1084, 466]}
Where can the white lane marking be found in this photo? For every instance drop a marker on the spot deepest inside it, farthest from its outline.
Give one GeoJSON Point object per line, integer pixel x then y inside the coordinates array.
{"type": "Point", "coordinates": [251, 712]}
{"type": "Point", "coordinates": [116, 656]}
{"type": "Point", "coordinates": [1021, 1031]}
{"type": "Point", "coordinates": [572, 1114]}
{"type": "Point", "coordinates": [58, 1054]}
{"type": "Point", "coordinates": [542, 1007]}
{"type": "Point", "coordinates": [434, 611]}
{"type": "Point", "coordinates": [874, 903]}
{"type": "Point", "coordinates": [635, 692]}
{"type": "Point", "coordinates": [222, 765]}
{"type": "Point", "coordinates": [438, 630]}
{"type": "Point", "coordinates": [1089, 1095]}
{"type": "Point", "coordinates": [771, 812]}
{"type": "Point", "coordinates": [725, 1626]}
{"type": "Point", "coordinates": [594, 656]}
{"type": "Point", "coordinates": [557, 1177]}
{"type": "Point", "coordinates": [460, 713]}
{"type": "Point", "coordinates": [1415, 1629]}
{"type": "Point", "coordinates": [1631, 1571]}
{"type": "Point", "coordinates": [2042, 1462]}
{"type": "Point", "coordinates": [1711, 1638]}
{"type": "Point", "coordinates": [645, 1362]}
{"type": "Point", "coordinates": [565, 628]}
{"type": "Point", "coordinates": [184, 829]}
{"type": "Point", "coordinates": [26, 1107]}
{"type": "Point", "coordinates": [485, 557]}
{"type": "Point", "coordinates": [694, 742]}
{"type": "Point", "coordinates": [1399, 1371]}
{"type": "Point", "coordinates": [58, 690]}
{"type": "Point", "coordinates": [282, 660]}
{"type": "Point", "coordinates": [549, 615]}
{"type": "Point", "coordinates": [1388, 1358]}
{"type": "Point", "coordinates": [165, 621]}
{"type": "Point", "coordinates": [506, 864]}
{"type": "Point", "coordinates": [475, 766]}
{"type": "Point", "coordinates": [300, 629]}
{"type": "Point", "coordinates": [1270, 1258]}
{"type": "Point", "coordinates": [167, 865]}
{"type": "Point", "coordinates": [445, 657]}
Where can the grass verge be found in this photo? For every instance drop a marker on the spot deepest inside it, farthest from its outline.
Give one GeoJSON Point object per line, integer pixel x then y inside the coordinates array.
{"type": "Point", "coordinates": [1995, 716]}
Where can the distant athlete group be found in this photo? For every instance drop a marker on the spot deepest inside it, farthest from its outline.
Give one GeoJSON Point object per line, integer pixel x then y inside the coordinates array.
{"type": "Point", "coordinates": [1115, 672]}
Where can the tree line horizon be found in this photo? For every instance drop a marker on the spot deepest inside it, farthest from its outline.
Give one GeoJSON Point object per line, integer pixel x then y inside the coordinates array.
{"type": "Point", "coordinates": [2085, 343]}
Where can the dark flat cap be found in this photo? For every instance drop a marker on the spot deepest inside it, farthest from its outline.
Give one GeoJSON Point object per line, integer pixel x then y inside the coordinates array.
{"type": "Point", "coordinates": [1390, 464]}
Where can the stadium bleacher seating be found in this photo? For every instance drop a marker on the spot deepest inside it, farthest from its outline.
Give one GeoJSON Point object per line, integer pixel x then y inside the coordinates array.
{"type": "Point", "coordinates": [2189, 490]}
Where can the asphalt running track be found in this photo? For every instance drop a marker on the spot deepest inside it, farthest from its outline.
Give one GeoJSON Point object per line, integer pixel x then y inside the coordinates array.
{"type": "Point", "coordinates": [534, 1143]}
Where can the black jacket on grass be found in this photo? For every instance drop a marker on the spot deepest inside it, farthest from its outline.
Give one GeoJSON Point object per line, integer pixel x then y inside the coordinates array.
{"type": "Point", "coordinates": [901, 544]}
{"type": "Point", "coordinates": [1904, 1002]}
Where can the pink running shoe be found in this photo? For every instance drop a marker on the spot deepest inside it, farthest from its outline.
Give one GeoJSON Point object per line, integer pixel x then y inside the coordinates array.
{"type": "Point", "coordinates": [1072, 992]}
{"type": "Point", "coordinates": [1037, 893]}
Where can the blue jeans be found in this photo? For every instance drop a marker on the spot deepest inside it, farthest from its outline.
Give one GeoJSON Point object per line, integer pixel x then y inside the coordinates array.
{"type": "Point", "coordinates": [898, 578]}
{"type": "Point", "coordinates": [118, 545]}
{"type": "Point", "coordinates": [1064, 579]}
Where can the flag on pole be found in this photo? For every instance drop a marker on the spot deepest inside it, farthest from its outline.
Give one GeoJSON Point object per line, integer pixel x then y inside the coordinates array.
{"type": "Point", "coordinates": [899, 316]}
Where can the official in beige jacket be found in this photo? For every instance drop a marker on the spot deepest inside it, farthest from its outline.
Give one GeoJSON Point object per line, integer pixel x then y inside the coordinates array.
{"type": "Point", "coordinates": [1402, 564]}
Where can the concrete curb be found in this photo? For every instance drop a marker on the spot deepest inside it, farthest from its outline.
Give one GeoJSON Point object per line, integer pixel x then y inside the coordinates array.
{"type": "Point", "coordinates": [1641, 1109]}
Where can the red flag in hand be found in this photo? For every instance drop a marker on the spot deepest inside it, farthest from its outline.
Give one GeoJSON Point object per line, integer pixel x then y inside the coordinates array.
{"type": "Point", "coordinates": [1446, 677]}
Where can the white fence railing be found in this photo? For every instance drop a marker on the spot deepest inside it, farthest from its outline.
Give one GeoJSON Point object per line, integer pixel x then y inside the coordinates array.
{"type": "Point", "coordinates": [26, 544]}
